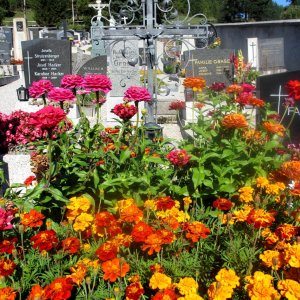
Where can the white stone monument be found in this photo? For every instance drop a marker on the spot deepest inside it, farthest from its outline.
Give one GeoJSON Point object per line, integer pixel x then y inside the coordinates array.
{"type": "Point", "coordinates": [20, 33]}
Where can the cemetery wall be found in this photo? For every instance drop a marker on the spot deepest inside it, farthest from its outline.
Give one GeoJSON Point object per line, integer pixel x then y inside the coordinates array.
{"type": "Point", "coordinates": [234, 36]}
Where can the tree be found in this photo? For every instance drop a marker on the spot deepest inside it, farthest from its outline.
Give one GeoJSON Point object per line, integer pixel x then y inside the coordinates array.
{"type": "Point", "coordinates": [292, 12]}
{"type": "Point", "coordinates": [50, 13]}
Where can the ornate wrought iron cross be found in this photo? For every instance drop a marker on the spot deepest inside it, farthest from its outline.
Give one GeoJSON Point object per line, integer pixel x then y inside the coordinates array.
{"type": "Point", "coordinates": [158, 20]}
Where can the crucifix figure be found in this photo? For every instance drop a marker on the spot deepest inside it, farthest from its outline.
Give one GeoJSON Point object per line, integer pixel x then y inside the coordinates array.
{"type": "Point", "coordinates": [98, 6]}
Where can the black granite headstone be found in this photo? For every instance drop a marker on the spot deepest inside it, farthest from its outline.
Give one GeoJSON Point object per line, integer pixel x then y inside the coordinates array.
{"type": "Point", "coordinates": [212, 64]}
{"type": "Point", "coordinates": [5, 53]}
{"type": "Point", "coordinates": [46, 59]}
{"type": "Point", "coordinates": [96, 65]}
{"type": "Point", "coordinates": [272, 89]}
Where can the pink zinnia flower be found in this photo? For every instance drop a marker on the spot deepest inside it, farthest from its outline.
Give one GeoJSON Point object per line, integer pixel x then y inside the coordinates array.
{"type": "Point", "coordinates": [97, 82]}
{"type": "Point", "coordinates": [71, 81]}
{"type": "Point", "coordinates": [61, 95]}
{"type": "Point", "coordinates": [124, 111]}
{"type": "Point", "coordinates": [248, 88]}
{"type": "Point", "coordinates": [38, 88]}
{"type": "Point", "coordinates": [47, 117]}
{"type": "Point", "coordinates": [137, 93]}
{"type": "Point", "coordinates": [5, 218]}
{"type": "Point", "coordinates": [178, 157]}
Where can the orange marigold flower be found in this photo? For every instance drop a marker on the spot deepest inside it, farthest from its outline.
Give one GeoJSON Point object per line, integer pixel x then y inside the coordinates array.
{"type": "Point", "coordinates": [234, 121]}
{"type": "Point", "coordinates": [7, 267]}
{"type": "Point", "coordinates": [291, 169]}
{"type": "Point", "coordinates": [59, 289]}
{"type": "Point", "coordinates": [290, 289]}
{"type": "Point", "coordinates": [104, 218]}
{"type": "Point", "coordinates": [109, 147]}
{"type": "Point", "coordinates": [153, 242]}
{"type": "Point", "coordinates": [262, 182]}
{"type": "Point", "coordinates": [70, 245]}
{"type": "Point", "coordinates": [234, 89]}
{"type": "Point", "coordinates": [252, 135]}
{"type": "Point", "coordinates": [218, 291]}
{"type": "Point", "coordinates": [107, 251]}
{"type": "Point", "coordinates": [166, 294]}
{"type": "Point", "coordinates": [228, 278]}
{"type": "Point", "coordinates": [8, 293]}
{"type": "Point", "coordinates": [260, 287]}
{"type": "Point", "coordinates": [270, 237]}
{"type": "Point", "coordinates": [167, 236]}
{"type": "Point", "coordinates": [256, 102]}
{"type": "Point", "coordinates": [286, 231]}
{"type": "Point", "coordinates": [134, 291]}
{"type": "Point", "coordinates": [272, 259]}
{"type": "Point", "coordinates": [164, 203]}
{"type": "Point", "coordinates": [187, 285]}
{"type": "Point", "coordinates": [140, 231]}
{"type": "Point", "coordinates": [156, 268]}
{"type": "Point", "coordinates": [83, 222]}
{"type": "Point", "coordinates": [122, 239]}
{"type": "Point", "coordinates": [36, 293]}
{"type": "Point", "coordinates": [32, 219]}
{"type": "Point", "coordinates": [199, 105]}
{"type": "Point", "coordinates": [44, 240]}
{"type": "Point", "coordinates": [7, 245]}
{"type": "Point", "coordinates": [274, 128]}
{"type": "Point", "coordinates": [260, 218]}
{"type": "Point", "coordinates": [114, 269]}
{"type": "Point", "coordinates": [78, 273]}
{"type": "Point", "coordinates": [274, 188]}
{"type": "Point", "coordinates": [110, 130]}
{"type": "Point", "coordinates": [195, 83]}
{"type": "Point", "coordinates": [160, 281]}
{"type": "Point", "coordinates": [195, 230]}
{"type": "Point", "coordinates": [222, 204]}
{"type": "Point", "coordinates": [131, 214]}
{"type": "Point", "coordinates": [242, 214]}
{"type": "Point", "coordinates": [292, 255]}
{"type": "Point", "coordinates": [114, 229]}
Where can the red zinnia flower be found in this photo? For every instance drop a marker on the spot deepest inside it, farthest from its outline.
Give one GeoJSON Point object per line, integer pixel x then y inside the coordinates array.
{"type": "Point", "coordinates": [140, 231]}
{"type": "Point", "coordinates": [137, 94]}
{"type": "Point", "coordinates": [178, 157]}
{"type": "Point", "coordinates": [59, 289]}
{"type": "Point", "coordinates": [107, 251]}
{"type": "Point", "coordinates": [7, 267]}
{"type": "Point", "coordinates": [7, 245]}
{"type": "Point", "coordinates": [29, 180]}
{"type": "Point", "coordinates": [97, 82]}
{"type": "Point", "coordinates": [293, 87]}
{"type": "Point", "coordinates": [32, 219]}
{"type": "Point", "coordinates": [70, 245]}
{"type": "Point", "coordinates": [44, 240]}
{"type": "Point", "coordinates": [124, 111]}
{"type": "Point", "coordinates": [217, 86]}
{"type": "Point", "coordinates": [222, 204]}
{"type": "Point", "coordinates": [177, 105]}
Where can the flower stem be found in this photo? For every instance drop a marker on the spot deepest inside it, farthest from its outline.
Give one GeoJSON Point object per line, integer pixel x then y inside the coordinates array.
{"type": "Point", "coordinates": [136, 127]}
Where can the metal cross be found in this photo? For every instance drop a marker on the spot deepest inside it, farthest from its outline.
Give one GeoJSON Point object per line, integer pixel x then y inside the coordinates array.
{"type": "Point", "coordinates": [279, 95]}
{"type": "Point", "coordinates": [150, 31]}
{"type": "Point", "coordinates": [28, 65]}
{"type": "Point", "coordinates": [98, 6]}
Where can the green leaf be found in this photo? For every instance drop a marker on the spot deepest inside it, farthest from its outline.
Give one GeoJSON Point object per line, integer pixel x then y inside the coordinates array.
{"type": "Point", "coordinates": [197, 177]}
{"type": "Point", "coordinates": [125, 154]}
{"type": "Point", "coordinates": [57, 194]}
{"type": "Point", "coordinates": [96, 178]}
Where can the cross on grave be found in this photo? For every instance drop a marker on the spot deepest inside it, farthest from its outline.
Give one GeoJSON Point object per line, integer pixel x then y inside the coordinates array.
{"type": "Point", "coordinates": [252, 45]}
{"type": "Point", "coordinates": [98, 6]}
{"type": "Point", "coordinates": [28, 64]}
{"type": "Point", "coordinates": [279, 95]}
{"type": "Point", "coordinates": [150, 31]}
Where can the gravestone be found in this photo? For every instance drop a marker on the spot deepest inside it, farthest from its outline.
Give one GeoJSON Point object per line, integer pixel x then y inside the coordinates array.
{"type": "Point", "coordinates": [4, 53]}
{"type": "Point", "coordinates": [271, 54]}
{"type": "Point", "coordinates": [95, 65]}
{"type": "Point", "coordinates": [20, 34]}
{"type": "Point", "coordinates": [212, 64]}
{"type": "Point", "coordinates": [122, 73]}
{"type": "Point", "coordinates": [46, 59]}
{"type": "Point", "coordinates": [272, 89]}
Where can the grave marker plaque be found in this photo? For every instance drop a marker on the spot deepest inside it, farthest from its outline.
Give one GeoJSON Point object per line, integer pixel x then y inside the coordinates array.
{"type": "Point", "coordinates": [271, 88]}
{"type": "Point", "coordinates": [46, 59]}
{"type": "Point", "coordinates": [271, 54]}
{"type": "Point", "coordinates": [212, 64]}
{"type": "Point", "coordinates": [96, 65]}
{"type": "Point", "coordinates": [122, 74]}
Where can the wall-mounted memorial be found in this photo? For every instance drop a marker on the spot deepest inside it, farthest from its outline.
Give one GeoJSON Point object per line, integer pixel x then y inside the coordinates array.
{"type": "Point", "coordinates": [46, 59]}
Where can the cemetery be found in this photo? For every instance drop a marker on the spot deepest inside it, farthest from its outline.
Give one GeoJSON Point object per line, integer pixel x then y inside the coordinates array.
{"type": "Point", "coordinates": [157, 159]}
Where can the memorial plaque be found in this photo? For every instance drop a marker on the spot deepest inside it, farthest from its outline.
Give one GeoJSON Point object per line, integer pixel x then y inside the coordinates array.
{"type": "Point", "coordinates": [212, 64]}
{"type": "Point", "coordinates": [271, 54]}
{"type": "Point", "coordinates": [96, 65]}
{"type": "Point", "coordinates": [272, 89]}
{"type": "Point", "coordinates": [124, 67]}
{"type": "Point", "coordinates": [46, 59]}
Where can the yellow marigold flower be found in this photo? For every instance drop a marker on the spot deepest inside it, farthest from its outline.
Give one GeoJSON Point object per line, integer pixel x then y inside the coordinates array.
{"type": "Point", "coordinates": [187, 285]}
{"type": "Point", "coordinates": [228, 278]}
{"type": "Point", "coordinates": [260, 287]}
{"type": "Point", "coordinates": [218, 291]}
{"type": "Point", "coordinates": [150, 204]}
{"type": "Point", "coordinates": [242, 214]}
{"type": "Point", "coordinates": [190, 297]}
{"type": "Point", "coordinates": [159, 281]}
{"type": "Point", "coordinates": [246, 194]}
{"type": "Point", "coordinates": [187, 201]}
{"type": "Point", "coordinates": [292, 255]}
{"type": "Point", "coordinates": [83, 221]}
{"type": "Point", "coordinates": [86, 247]}
{"type": "Point", "coordinates": [261, 182]}
{"type": "Point", "coordinates": [289, 289]}
{"type": "Point", "coordinates": [79, 203]}
{"type": "Point", "coordinates": [291, 169]}
{"type": "Point", "coordinates": [269, 236]}
{"type": "Point", "coordinates": [123, 204]}
{"type": "Point", "coordinates": [174, 212]}
{"type": "Point", "coordinates": [272, 259]}
{"type": "Point", "coordinates": [275, 188]}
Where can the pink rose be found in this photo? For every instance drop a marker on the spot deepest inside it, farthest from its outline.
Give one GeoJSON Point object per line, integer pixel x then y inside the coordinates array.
{"type": "Point", "coordinates": [61, 95]}
{"type": "Point", "coordinates": [97, 82]}
{"type": "Point", "coordinates": [38, 88]}
{"type": "Point", "coordinates": [137, 93]}
{"type": "Point", "coordinates": [71, 81]}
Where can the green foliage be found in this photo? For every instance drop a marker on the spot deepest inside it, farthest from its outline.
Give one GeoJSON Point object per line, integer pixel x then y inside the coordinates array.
{"type": "Point", "coordinates": [292, 12]}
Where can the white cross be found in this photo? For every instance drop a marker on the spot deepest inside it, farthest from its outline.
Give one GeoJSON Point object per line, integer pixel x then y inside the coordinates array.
{"type": "Point", "coordinates": [124, 20]}
{"type": "Point", "coordinates": [279, 95]}
{"type": "Point", "coordinates": [98, 6]}
{"type": "Point", "coordinates": [28, 65]}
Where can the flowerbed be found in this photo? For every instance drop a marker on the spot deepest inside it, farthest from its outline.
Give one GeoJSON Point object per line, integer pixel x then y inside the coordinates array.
{"type": "Point", "coordinates": [111, 214]}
